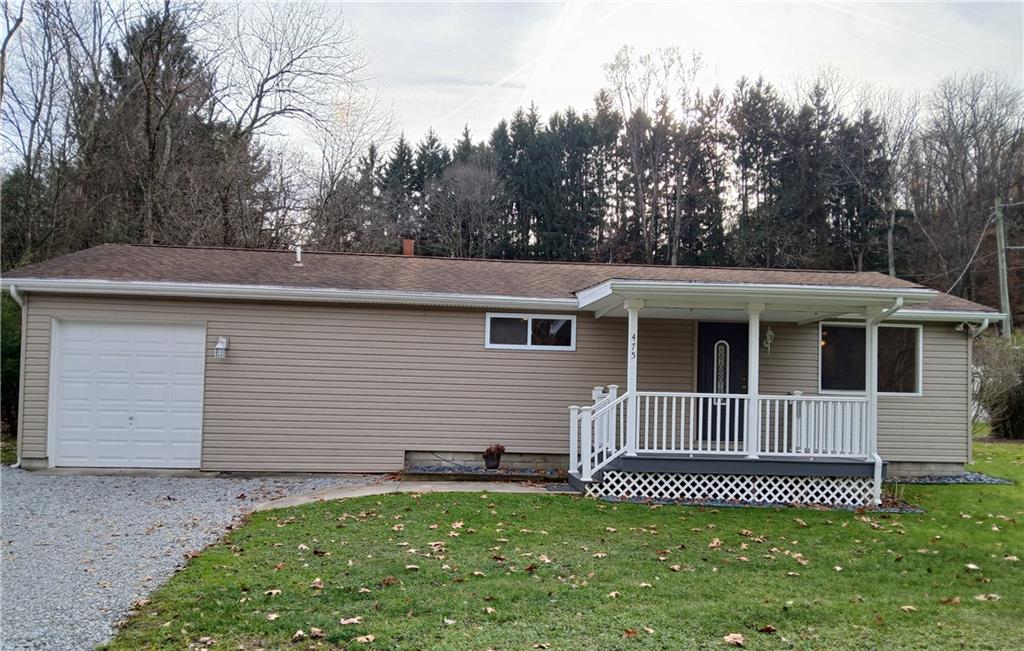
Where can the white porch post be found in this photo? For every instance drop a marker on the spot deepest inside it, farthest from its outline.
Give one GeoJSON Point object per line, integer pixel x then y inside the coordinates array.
{"type": "Point", "coordinates": [871, 391]}
{"type": "Point", "coordinates": [632, 306]}
{"type": "Point", "coordinates": [752, 436]}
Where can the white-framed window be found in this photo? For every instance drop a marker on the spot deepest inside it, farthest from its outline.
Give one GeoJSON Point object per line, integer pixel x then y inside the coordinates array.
{"type": "Point", "coordinates": [530, 331]}
{"type": "Point", "coordinates": [841, 358]}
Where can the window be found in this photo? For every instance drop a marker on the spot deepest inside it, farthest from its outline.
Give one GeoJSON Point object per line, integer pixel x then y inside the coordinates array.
{"type": "Point", "coordinates": [541, 331]}
{"type": "Point", "coordinates": [842, 358]}
{"type": "Point", "coordinates": [722, 367]}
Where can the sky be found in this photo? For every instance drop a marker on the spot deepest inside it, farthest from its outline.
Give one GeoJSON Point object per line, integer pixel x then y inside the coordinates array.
{"type": "Point", "coordinates": [446, 65]}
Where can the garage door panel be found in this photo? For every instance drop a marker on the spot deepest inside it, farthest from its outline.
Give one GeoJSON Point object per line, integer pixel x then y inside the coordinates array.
{"type": "Point", "coordinates": [129, 395]}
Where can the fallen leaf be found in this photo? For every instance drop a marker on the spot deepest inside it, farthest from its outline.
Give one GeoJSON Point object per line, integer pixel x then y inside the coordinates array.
{"type": "Point", "coordinates": [398, 527]}
{"type": "Point", "coordinates": [714, 544]}
{"type": "Point", "coordinates": [303, 547]}
{"type": "Point", "coordinates": [348, 621]}
{"type": "Point", "coordinates": [987, 597]}
{"type": "Point", "coordinates": [318, 584]}
{"type": "Point", "coordinates": [315, 633]}
{"type": "Point", "coordinates": [412, 567]}
{"type": "Point", "coordinates": [542, 645]}
{"type": "Point", "coordinates": [908, 609]}
{"type": "Point", "coordinates": [365, 639]}
{"type": "Point", "coordinates": [800, 523]}
{"type": "Point", "coordinates": [675, 568]}
{"type": "Point", "coordinates": [629, 632]}
{"type": "Point", "coordinates": [388, 580]}
{"type": "Point", "coordinates": [971, 567]}
{"type": "Point", "coordinates": [489, 610]}
{"type": "Point", "coordinates": [273, 592]}
{"type": "Point", "coordinates": [767, 628]}
{"type": "Point", "coordinates": [646, 585]}
{"type": "Point", "coordinates": [950, 601]}
{"type": "Point", "coordinates": [614, 594]}
{"type": "Point", "coordinates": [279, 567]}
{"type": "Point", "coordinates": [449, 622]}
{"type": "Point", "coordinates": [735, 639]}
{"type": "Point", "coordinates": [648, 630]}
{"type": "Point", "coordinates": [272, 616]}
{"type": "Point", "coordinates": [837, 568]}
{"type": "Point", "coordinates": [610, 529]}
{"type": "Point", "coordinates": [600, 555]}
{"type": "Point", "coordinates": [299, 635]}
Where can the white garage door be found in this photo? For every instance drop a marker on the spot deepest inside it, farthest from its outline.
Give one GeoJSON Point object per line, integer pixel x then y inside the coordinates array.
{"type": "Point", "coordinates": [128, 395]}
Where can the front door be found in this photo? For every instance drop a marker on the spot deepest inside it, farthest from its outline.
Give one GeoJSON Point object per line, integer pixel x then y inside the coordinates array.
{"type": "Point", "coordinates": [722, 368]}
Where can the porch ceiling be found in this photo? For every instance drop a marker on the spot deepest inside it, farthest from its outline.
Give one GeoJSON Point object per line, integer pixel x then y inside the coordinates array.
{"type": "Point", "coordinates": [673, 300]}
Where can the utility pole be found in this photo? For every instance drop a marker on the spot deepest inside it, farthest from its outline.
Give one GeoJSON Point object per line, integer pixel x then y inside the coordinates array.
{"type": "Point", "coordinates": [1004, 288]}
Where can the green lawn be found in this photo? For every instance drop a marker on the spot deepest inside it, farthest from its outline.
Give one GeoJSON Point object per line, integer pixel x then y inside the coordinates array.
{"type": "Point", "coordinates": [8, 451]}
{"type": "Point", "coordinates": [475, 571]}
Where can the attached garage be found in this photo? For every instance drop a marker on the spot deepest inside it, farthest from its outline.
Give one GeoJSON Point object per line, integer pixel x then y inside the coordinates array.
{"type": "Point", "coordinates": [127, 394]}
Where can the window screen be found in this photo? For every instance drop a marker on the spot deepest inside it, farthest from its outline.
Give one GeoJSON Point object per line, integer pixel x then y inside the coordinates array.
{"type": "Point", "coordinates": [842, 359]}
{"type": "Point", "coordinates": [508, 330]}
{"type": "Point", "coordinates": [530, 331]}
{"type": "Point", "coordinates": [897, 360]}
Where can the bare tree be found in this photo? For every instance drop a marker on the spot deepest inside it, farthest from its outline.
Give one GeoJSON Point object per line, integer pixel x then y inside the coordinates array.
{"type": "Point", "coordinates": [285, 61]}
{"type": "Point", "coordinates": [12, 21]}
{"type": "Point", "coordinates": [651, 90]}
{"type": "Point", "coordinates": [968, 151]}
{"type": "Point", "coordinates": [464, 210]}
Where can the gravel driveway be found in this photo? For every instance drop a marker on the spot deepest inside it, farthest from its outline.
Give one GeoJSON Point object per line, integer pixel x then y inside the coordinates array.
{"type": "Point", "coordinates": [78, 550]}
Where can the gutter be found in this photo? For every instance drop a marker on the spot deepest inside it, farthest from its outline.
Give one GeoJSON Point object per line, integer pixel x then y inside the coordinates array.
{"type": "Point", "coordinates": [285, 293]}
{"type": "Point", "coordinates": [15, 295]}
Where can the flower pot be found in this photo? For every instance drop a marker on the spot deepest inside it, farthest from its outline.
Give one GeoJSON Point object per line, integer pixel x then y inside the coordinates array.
{"type": "Point", "coordinates": [491, 461]}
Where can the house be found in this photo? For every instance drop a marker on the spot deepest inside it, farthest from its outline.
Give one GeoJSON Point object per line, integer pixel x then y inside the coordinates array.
{"type": "Point", "coordinates": [647, 381]}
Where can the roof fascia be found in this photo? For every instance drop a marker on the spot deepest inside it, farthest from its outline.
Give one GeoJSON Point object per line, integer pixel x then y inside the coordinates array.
{"type": "Point", "coordinates": [274, 292]}
{"type": "Point", "coordinates": [817, 294]}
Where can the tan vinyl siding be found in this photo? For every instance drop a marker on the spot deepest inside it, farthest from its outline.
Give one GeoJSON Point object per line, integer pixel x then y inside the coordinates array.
{"type": "Point", "coordinates": [309, 387]}
{"type": "Point", "coordinates": [931, 427]}
{"type": "Point", "coordinates": [316, 387]}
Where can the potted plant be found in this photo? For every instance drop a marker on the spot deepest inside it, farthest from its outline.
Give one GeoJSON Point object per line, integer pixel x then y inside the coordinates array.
{"type": "Point", "coordinates": [492, 456]}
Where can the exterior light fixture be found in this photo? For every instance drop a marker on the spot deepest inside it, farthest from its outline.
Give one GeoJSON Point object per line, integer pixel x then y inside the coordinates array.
{"type": "Point", "coordinates": [221, 349]}
{"type": "Point", "coordinates": [769, 337]}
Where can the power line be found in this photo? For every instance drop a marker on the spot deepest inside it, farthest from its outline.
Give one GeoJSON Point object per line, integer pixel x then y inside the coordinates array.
{"type": "Point", "coordinates": [981, 239]}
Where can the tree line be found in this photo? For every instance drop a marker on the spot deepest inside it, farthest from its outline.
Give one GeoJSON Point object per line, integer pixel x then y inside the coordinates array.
{"type": "Point", "coordinates": [172, 126]}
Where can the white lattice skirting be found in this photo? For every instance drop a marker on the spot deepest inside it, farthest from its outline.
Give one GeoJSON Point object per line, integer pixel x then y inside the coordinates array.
{"type": "Point", "coordinates": [772, 489]}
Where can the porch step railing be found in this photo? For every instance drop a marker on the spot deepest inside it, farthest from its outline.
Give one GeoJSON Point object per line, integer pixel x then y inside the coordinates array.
{"type": "Point", "coordinates": [597, 433]}
{"type": "Point", "coordinates": [717, 424]}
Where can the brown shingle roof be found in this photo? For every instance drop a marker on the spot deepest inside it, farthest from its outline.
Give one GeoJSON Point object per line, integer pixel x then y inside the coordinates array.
{"type": "Point", "coordinates": [415, 274]}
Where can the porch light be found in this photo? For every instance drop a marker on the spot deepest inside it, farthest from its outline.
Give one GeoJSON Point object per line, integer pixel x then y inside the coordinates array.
{"type": "Point", "coordinates": [769, 337]}
{"type": "Point", "coordinates": [221, 349]}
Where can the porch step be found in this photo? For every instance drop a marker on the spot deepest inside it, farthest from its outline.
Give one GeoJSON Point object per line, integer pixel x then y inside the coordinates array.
{"type": "Point", "coordinates": [734, 465]}
{"type": "Point", "coordinates": [831, 482]}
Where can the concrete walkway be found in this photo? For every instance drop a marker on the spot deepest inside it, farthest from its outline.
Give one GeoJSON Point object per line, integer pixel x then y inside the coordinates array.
{"type": "Point", "coordinates": [404, 486]}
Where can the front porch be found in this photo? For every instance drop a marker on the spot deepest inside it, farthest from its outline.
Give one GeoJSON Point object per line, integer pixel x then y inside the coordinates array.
{"type": "Point", "coordinates": [727, 440]}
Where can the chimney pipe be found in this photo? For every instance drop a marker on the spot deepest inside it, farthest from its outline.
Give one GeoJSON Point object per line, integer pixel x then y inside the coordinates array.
{"type": "Point", "coordinates": [298, 256]}
{"type": "Point", "coordinates": [408, 247]}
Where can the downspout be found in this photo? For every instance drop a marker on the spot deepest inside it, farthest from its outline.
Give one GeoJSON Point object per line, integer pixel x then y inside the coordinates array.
{"type": "Point", "coordinates": [21, 371]}
{"type": "Point", "coordinates": [871, 331]}
{"type": "Point", "coordinates": [973, 332]}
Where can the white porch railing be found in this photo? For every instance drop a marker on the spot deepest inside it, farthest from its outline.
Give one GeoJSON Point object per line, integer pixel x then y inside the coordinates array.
{"type": "Point", "coordinates": [698, 424]}
{"type": "Point", "coordinates": [814, 426]}
{"type": "Point", "coordinates": [691, 422]}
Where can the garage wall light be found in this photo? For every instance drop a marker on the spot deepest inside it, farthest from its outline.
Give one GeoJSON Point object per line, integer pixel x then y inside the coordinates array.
{"type": "Point", "coordinates": [221, 349]}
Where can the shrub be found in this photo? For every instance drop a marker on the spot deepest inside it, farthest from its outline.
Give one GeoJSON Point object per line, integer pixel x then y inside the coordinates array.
{"type": "Point", "coordinates": [999, 385]}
